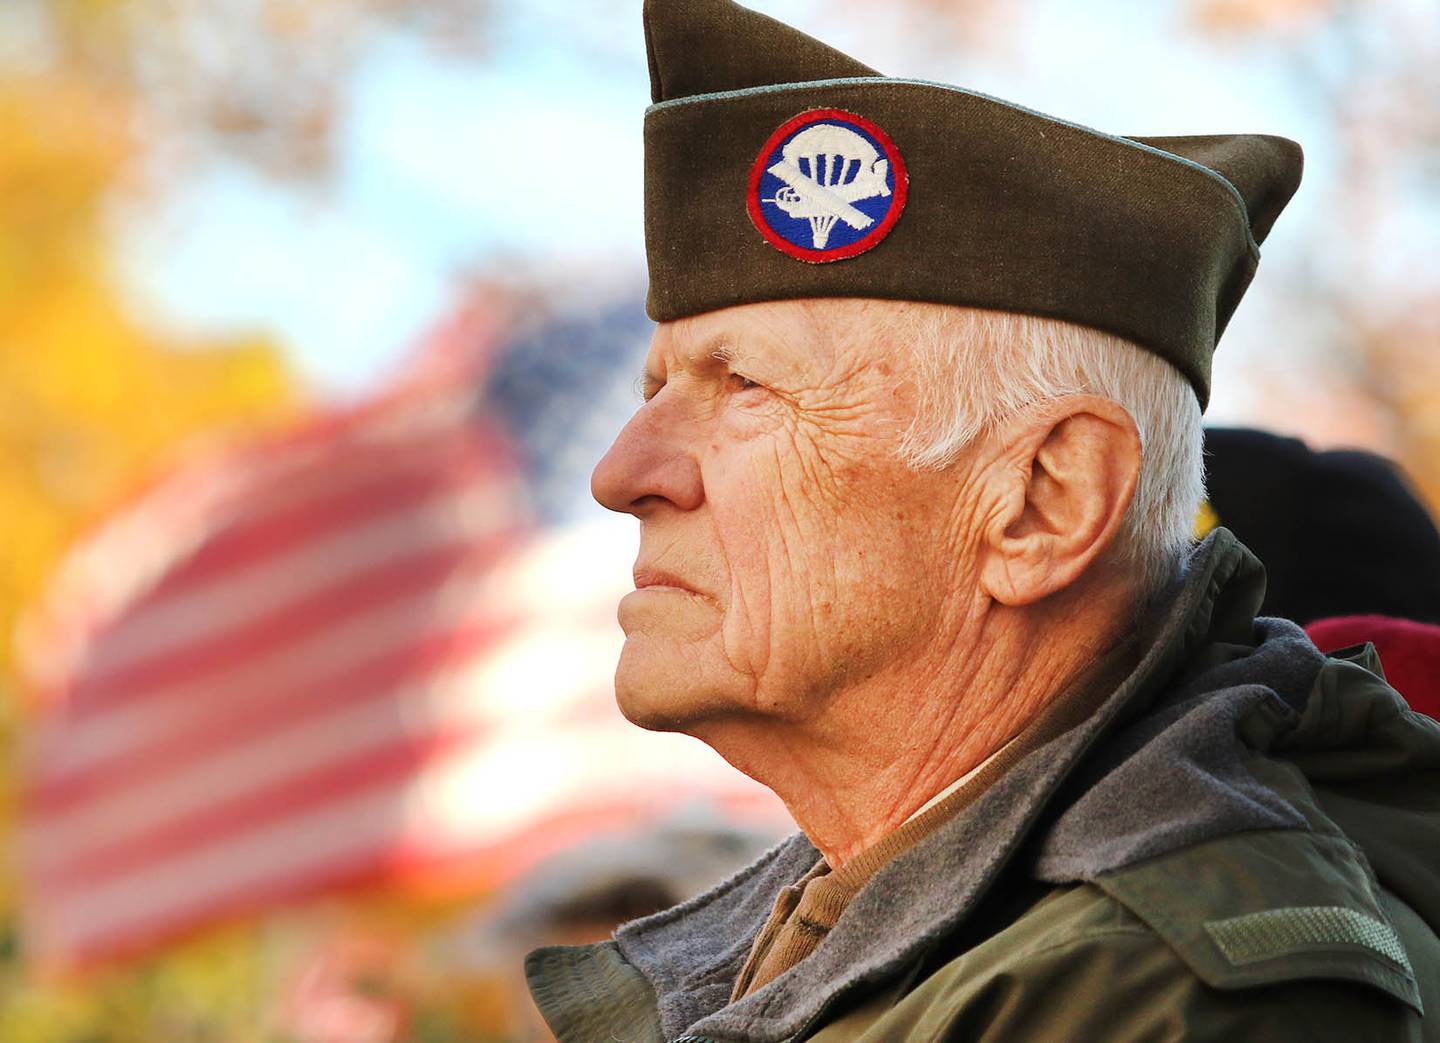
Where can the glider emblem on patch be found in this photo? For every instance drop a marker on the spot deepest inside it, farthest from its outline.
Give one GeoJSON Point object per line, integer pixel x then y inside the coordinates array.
{"type": "Point", "coordinates": [827, 185]}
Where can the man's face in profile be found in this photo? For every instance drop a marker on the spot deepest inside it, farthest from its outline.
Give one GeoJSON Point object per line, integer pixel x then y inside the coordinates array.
{"type": "Point", "coordinates": [785, 549]}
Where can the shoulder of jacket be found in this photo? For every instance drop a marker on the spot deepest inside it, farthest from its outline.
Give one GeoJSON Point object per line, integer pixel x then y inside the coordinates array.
{"type": "Point", "coordinates": [1079, 965]}
{"type": "Point", "coordinates": [1268, 907]}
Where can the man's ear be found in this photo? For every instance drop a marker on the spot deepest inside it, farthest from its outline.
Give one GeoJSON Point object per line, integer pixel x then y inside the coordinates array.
{"type": "Point", "coordinates": [1063, 478]}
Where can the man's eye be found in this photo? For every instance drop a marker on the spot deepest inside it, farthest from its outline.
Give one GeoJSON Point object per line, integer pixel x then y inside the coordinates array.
{"type": "Point", "coordinates": [739, 383]}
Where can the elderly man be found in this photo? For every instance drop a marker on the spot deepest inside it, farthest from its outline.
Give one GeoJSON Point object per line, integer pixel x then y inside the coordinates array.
{"type": "Point", "coordinates": [916, 474]}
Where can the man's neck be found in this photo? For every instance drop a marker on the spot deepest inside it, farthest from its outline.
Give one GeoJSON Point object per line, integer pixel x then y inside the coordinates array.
{"type": "Point", "coordinates": [885, 747]}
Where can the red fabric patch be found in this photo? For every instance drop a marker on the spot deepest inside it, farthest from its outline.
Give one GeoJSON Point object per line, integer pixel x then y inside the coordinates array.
{"type": "Point", "coordinates": [1409, 652]}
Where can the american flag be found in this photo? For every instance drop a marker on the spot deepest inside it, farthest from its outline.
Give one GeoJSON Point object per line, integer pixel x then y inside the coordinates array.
{"type": "Point", "coordinates": [347, 656]}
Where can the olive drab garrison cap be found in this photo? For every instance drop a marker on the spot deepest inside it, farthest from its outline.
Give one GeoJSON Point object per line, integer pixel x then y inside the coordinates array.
{"type": "Point", "coordinates": [777, 167]}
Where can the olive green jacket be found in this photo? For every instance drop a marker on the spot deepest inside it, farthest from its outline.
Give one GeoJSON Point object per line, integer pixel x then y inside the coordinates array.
{"type": "Point", "coordinates": [1242, 843]}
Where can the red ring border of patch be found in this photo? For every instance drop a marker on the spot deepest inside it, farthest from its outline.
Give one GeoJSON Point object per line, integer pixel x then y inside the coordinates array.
{"type": "Point", "coordinates": [839, 253]}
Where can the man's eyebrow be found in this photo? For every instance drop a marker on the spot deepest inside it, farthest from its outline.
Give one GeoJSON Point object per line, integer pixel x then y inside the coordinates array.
{"type": "Point", "coordinates": [715, 348]}
{"type": "Point", "coordinates": [723, 351]}
{"type": "Point", "coordinates": [718, 348]}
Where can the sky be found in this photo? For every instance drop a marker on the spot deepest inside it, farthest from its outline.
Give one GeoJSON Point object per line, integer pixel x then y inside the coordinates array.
{"type": "Point", "coordinates": [449, 167]}
{"type": "Point", "coordinates": [446, 167]}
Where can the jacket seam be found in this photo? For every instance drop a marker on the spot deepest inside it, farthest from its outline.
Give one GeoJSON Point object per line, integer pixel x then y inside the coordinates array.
{"type": "Point", "coordinates": [1089, 934]}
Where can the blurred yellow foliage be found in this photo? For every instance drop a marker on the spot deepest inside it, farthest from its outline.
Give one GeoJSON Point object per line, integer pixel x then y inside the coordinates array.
{"type": "Point", "coordinates": [91, 404]}
{"type": "Point", "coordinates": [208, 989]}
{"type": "Point", "coordinates": [90, 401]}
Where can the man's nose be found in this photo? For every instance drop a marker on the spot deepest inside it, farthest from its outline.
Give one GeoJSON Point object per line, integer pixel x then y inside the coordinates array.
{"type": "Point", "coordinates": [651, 462]}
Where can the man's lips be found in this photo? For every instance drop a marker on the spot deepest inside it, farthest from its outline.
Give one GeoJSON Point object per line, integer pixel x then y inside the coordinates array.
{"type": "Point", "coordinates": [648, 577]}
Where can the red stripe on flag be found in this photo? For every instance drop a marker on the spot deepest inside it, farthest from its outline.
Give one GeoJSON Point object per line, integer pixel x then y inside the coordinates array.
{"type": "Point", "coordinates": [340, 503]}
{"type": "Point", "coordinates": [277, 799]}
{"type": "Point", "coordinates": [359, 681]}
{"type": "Point", "coordinates": [356, 595]}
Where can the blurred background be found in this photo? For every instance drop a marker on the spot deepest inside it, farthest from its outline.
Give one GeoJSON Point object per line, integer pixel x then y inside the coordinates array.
{"type": "Point", "coordinates": [311, 329]}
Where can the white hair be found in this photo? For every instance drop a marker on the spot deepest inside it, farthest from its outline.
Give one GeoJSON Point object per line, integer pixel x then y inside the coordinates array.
{"type": "Point", "coordinates": [975, 368]}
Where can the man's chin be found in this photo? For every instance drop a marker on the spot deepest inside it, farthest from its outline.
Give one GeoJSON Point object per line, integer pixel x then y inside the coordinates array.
{"type": "Point", "coordinates": [648, 713]}
{"type": "Point", "coordinates": [654, 707]}
{"type": "Point", "coordinates": [663, 693]}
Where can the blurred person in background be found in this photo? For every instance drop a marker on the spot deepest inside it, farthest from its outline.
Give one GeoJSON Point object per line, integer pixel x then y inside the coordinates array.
{"type": "Point", "coordinates": [1350, 551]}
{"type": "Point", "coordinates": [916, 477]}
{"type": "Point", "coordinates": [582, 894]}
{"type": "Point", "coordinates": [1341, 531]}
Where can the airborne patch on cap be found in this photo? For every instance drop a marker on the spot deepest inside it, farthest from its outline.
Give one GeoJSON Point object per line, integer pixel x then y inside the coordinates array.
{"type": "Point", "coordinates": [826, 186]}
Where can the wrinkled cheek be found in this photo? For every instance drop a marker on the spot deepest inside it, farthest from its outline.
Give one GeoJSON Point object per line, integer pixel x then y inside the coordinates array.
{"type": "Point", "coordinates": [774, 542]}
{"type": "Point", "coordinates": [770, 627]}
{"type": "Point", "coordinates": [749, 615]}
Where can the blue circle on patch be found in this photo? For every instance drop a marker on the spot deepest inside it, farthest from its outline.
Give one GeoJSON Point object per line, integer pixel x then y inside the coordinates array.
{"type": "Point", "coordinates": [827, 185]}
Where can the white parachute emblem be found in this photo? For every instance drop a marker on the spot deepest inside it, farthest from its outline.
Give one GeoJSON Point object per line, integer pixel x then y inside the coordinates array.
{"type": "Point", "coordinates": [826, 168]}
